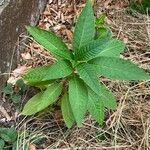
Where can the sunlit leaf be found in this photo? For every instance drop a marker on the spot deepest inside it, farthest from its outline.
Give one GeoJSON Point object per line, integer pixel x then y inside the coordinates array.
{"type": "Point", "coordinates": [85, 28]}
{"type": "Point", "coordinates": [67, 111]}
{"type": "Point", "coordinates": [42, 99]}
{"type": "Point", "coordinates": [116, 68]}
{"type": "Point", "coordinates": [50, 41]}
{"type": "Point", "coordinates": [78, 98]}
{"type": "Point", "coordinates": [58, 70]}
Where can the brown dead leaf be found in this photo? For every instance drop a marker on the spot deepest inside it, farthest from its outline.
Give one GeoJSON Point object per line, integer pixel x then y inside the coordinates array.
{"type": "Point", "coordinates": [32, 147]}
{"type": "Point", "coordinates": [12, 80]}
{"type": "Point", "coordinates": [4, 113]}
{"type": "Point", "coordinates": [16, 74]}
{"type": "Point", "coordinates": [19, 71]}
{"type": "Point", "coordinates": [93, 1]}
{"type": "Point", "coordinates": [26, 56]}
{"type": "Point", "coordinates": [46, 13]}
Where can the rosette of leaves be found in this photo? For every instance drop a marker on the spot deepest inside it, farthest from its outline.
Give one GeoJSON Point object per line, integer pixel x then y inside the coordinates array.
{"type": "Point", "coordinates": [14, 92]}
{"type": "Point", "coordinates": [74, 79]}
{"type": "Point", "coordinates": [8, 138]}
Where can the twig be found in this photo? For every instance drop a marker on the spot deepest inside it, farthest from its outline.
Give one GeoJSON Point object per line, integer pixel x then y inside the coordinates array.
{"type": "Point", "coordinates": [4, 113]}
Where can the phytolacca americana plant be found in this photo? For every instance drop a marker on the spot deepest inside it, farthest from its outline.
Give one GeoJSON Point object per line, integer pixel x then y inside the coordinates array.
{"type": "Point", "coordinates": [73, 79]}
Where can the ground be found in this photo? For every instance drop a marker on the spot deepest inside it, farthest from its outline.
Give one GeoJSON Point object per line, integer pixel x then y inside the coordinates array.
{"type": "Point", "coordinates": [127, 128]}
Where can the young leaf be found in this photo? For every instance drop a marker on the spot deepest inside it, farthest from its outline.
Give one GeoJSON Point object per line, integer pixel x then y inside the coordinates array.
{"type": "Point", "coordinates": [67, 111]}
{"type": "Point", "coordinates": [50, 41]}
{"type": "Point", "coordinates": [85, 27]}
{"type": "Point", "coordinates": [42, 99]}
{"type": "Point", "coordinates": [60, 69]}
{"type": "Point", "coordinates": [8, 89]}
{"type": "Point", "coordinates": [112, 48]}
{"type": "Point", "coordinates": [96, 107]}
{"type": "Point", "coordinates": [8, 134]}
{"type": "Point", "coordinates": [102, 30]}
{"type": "Point", "coordinates": [78, 98]}
{"type": "Point", "coordinates": [119, 69]}
{"type": "Point", "coordinates": [16, 98]}
{"type": "Point", "coordinates": [88, 76]}
{"type": "Point", "coordinates": [91, 50]}
{"type": "Point", "coordinates": [100, 21]}
{"type": "Point", "coordinates": [104, 33]}
{"type": "Point", "coordinates": [20, 84]}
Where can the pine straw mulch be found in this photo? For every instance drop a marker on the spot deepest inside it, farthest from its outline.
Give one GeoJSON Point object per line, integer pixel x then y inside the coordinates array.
{"type": "Point", "coordinates": [127, 128]}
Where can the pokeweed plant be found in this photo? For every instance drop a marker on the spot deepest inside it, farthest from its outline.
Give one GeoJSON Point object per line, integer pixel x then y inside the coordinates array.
{"type": "Point", "coordinates": [74, 79]}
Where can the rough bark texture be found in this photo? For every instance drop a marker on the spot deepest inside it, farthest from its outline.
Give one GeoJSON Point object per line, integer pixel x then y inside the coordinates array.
{"type": "Point", "coordinates": [14, 15]}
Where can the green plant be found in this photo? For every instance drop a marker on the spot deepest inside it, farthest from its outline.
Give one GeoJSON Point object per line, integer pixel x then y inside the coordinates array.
{"type": "Point", "coordinates": [142, 6]}
{"type": "Point", "coordinates": [8, 137]}
{"type": "Point", "coordinates": [73, 79]}
{"type": "Point", "coordinates": [14, 92]}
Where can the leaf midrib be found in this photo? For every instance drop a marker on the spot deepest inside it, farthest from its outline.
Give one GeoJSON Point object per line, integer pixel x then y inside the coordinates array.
{"type": "Point", "coordinates": [46, 40]}
{"type": "Point", "coordinates": [76, 86]}
{"type": "Point", "coordinates": [51, 46]}
{"type": "Point", "coordinates": [110, 68]}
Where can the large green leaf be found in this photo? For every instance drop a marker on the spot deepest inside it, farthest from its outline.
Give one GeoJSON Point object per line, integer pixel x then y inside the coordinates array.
{"type": "Point", "coordinates": [78, 98]}
{"type": "Point", "coordinates": [100, 47]}
{"type": "Point", "coordinates": [113, 48]}
{"type": "Point", "coordinates": [60, 69]}
{"type": "Point", "coordinates": [91, 50]}
{"type": "Point", "coordinates": [42, 99]}
{"type": "Point", "coordinates": [67, 111]}
{"type": "Point", "coordinates": [96, 106]}
{"type": "Point", "coordinates": [89, 77]}
{"type": "Point", "coordinates": [87, 74]}
{"type": "Point", "coordinates": [107, 97]}
{"type": "Point", "coordinates": [50, 41]}
{"type": "Point", "coordinates": [117, 68]}
{"type": "Point", "coordinates": [85, 28]}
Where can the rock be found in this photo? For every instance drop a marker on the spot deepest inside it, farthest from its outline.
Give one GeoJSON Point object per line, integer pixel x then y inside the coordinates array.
{"type": "Point", "coordinates": [14, 15]}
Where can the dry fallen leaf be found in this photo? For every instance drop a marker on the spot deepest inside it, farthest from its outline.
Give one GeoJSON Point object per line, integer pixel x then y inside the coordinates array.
{"type": "Point", "coordinates": [107, 4]}
{"type": "Point", "coordinates": [93, 1]}
{"type": "Point", "coordinates": [32, 147]}
{"type": "Point", "coordinates": [19, 71]}
{"type": "Point", "coordinates": [125, 40]}
{"type": "Point", "coordinates": [26, 56]}
{"type": "Point", "coordinates": [4, 113]}
{"type": "Point", "coordinates": [16, 74]}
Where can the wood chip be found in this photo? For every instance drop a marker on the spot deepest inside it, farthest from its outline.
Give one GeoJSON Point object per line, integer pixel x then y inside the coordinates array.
{"type": "Point", "coordinates": [32, 147]}
{"type": "Point", "coordinates": [4, 113]}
